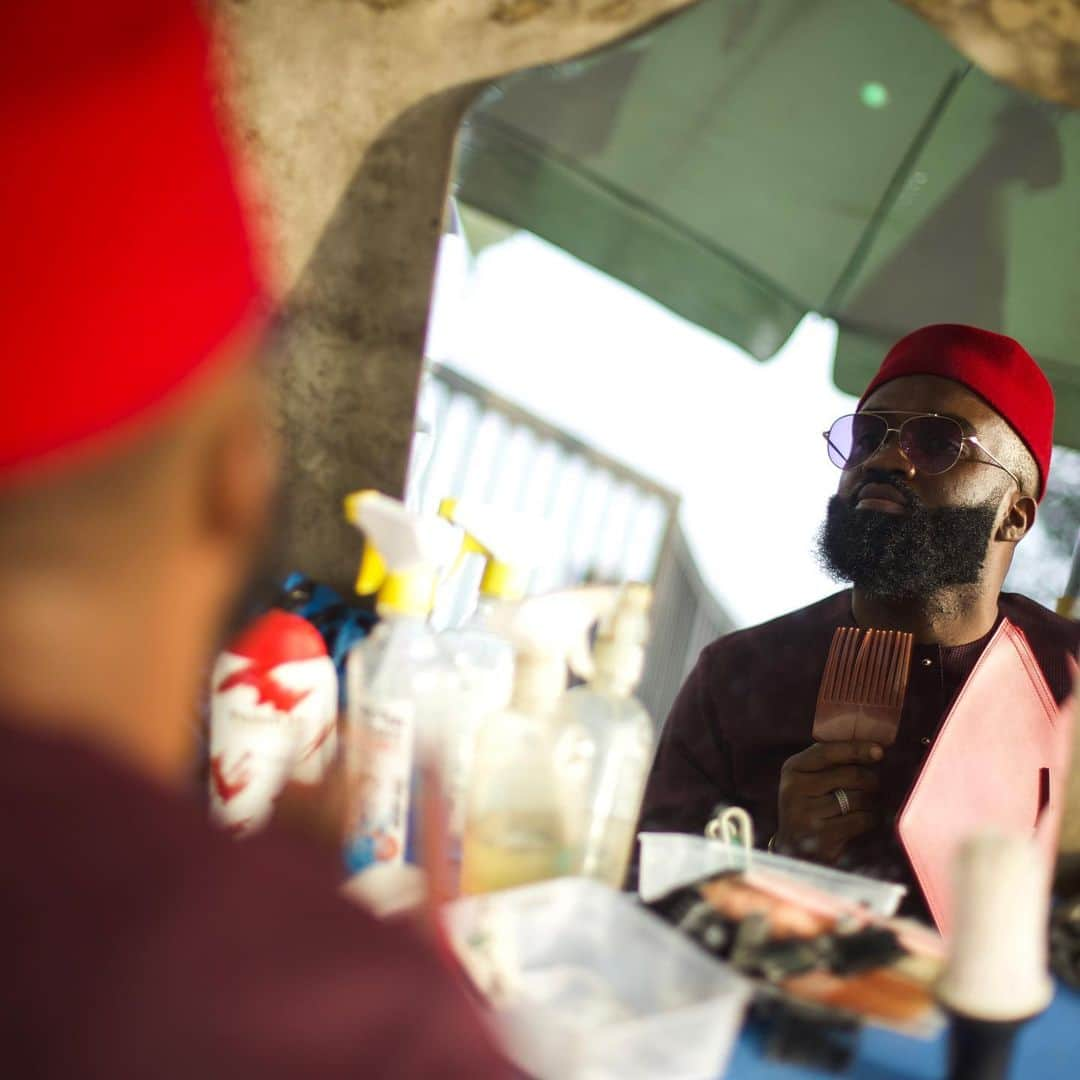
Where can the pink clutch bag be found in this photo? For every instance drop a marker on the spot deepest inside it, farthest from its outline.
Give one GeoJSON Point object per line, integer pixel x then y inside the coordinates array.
{"type": "Point", "coordinates": [999, 762]}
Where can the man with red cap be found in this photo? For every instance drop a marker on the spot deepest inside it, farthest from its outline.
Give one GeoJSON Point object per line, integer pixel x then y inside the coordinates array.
{"type": "Point", "coordinates": [136, 467]}
{"type": "Point", "coordinates": [944, 465]}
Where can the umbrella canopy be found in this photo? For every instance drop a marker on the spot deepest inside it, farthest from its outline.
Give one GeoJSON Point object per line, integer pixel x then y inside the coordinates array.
{"type": "Point", "coordinates": [753, 160]}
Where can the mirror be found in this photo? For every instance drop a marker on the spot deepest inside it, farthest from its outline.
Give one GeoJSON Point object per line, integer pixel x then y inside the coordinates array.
{"type": "Point", "coordinates": [669, 266]}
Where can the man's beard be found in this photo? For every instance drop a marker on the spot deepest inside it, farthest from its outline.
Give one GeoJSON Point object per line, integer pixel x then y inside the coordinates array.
{"type": "Point", "coordinates": [906, 557]}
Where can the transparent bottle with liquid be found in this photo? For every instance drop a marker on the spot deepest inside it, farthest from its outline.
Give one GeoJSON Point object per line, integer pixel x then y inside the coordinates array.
{"type": "Point", "coordinates": [606, 739]}
{"type": "Point", "coordinates": [522, 811]}
{"type": "Point", "coordinates": [484, 661]}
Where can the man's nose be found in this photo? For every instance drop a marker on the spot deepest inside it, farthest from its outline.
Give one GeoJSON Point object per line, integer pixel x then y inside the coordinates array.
{"type": "Point", "coordinates": [888, 457]}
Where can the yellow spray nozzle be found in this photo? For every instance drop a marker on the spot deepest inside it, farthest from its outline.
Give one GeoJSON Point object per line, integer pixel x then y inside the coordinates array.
{"type": "Point", "coordinates": [448, 509]}
{"type": "Point", "coordinates": [352, 503]}
{"type": "Point", "coordinates": [403, 552]}
{"type": "Point", "coordinates": [503, 581]}
{"type": "Point", "coordinates": [373, 571]}
{"type": "Point", "coordinates": [373, 567]}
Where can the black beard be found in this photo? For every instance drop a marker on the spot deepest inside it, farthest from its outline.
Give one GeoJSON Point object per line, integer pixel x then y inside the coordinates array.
{"type": "Point", "coordinates": [910, 557]}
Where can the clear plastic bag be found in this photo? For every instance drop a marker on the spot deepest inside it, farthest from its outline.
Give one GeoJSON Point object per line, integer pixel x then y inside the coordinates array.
{"type": "Point", "coordinates": [671, 860]}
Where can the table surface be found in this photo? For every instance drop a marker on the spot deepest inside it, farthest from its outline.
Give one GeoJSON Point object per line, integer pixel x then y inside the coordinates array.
{"type": "Point", "coordinates": [1048, 1048]}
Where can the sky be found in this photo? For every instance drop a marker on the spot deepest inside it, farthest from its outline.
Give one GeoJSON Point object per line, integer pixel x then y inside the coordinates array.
{"type": "Point", "coordinates": [740, 440]}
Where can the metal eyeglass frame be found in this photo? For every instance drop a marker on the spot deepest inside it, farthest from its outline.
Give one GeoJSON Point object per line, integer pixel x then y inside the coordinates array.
{"type": "Point", "coordinates": [889, 430]}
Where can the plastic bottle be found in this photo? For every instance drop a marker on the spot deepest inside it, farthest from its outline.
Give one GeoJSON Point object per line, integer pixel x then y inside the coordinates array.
{"type": "Point", "coordinates": [484, 656]}
{"type": "Point", "coordinates": [402, 684]}
{"type": "Point", "coordinates": [522, 815]}
{"type": "Point", "coordinates": [273, 717]}
{"type": "Point", "coordinates": [607, 737]}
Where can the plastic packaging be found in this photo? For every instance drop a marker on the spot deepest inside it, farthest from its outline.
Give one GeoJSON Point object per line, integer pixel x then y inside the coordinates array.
{"type": "Point", "coordinates": [671, 860]}
{"type": "Point", "coordinates": [585, 983]}
{"type": "Point", "coordinates": [402, 684]}
{"type": "Point", "coordinates": [607, 737]}
{"type": "Point", "coordinates": [523, 817]}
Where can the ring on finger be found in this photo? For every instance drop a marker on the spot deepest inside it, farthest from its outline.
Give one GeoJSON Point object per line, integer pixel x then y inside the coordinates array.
{"type": "Point", "coordinates": [843, 801]}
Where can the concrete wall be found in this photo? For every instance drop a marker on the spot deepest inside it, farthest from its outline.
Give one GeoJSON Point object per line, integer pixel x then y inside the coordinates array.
{"type": "Point", "coordinates": [1033, 45]}
{"type": "Point", "coordinates": [349, 110]}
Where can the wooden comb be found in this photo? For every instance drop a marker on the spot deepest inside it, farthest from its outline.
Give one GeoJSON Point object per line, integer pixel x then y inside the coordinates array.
{"type": "Point", "coordinates": [862, 690]}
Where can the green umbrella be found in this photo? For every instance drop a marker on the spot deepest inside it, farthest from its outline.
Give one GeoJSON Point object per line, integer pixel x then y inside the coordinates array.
{"type": "Point", "coordinates": [752, 160]}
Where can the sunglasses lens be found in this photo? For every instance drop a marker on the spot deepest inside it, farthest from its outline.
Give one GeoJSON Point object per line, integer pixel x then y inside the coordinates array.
{"type": "Point", "coordinates": [932, 443]}
{"type": "Point", "coordinates": [852, 439]}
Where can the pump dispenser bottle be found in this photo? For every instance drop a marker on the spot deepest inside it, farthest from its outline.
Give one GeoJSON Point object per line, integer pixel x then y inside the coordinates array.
{"type": "Point", "coordinates": [522, 814]}
{"type": "Point", "coordinates": [607, 737]}
{"type": "Point", "coordinates": [401, 682]}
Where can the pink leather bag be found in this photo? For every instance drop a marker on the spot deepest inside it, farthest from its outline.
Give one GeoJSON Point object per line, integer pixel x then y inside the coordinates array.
{"type": "Point", "coordinates": [999, 762]}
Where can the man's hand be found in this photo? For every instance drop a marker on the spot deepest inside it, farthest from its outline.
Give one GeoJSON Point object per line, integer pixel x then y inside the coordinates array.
{"type": "Point", "coordinates": [811, 824]}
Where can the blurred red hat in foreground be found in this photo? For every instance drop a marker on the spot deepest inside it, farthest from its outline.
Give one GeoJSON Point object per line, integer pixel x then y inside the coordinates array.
{"type": "Point", "coordinates": [127, 263]}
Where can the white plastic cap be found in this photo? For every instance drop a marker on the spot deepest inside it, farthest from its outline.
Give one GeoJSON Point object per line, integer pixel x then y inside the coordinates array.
{"type": "Point", "coordinates": [404, 539]}
{"type": "Point", "coordinates": [508, 536]}
{"type": "Point", "coordinates": [548, 632]}
{"type": "Point", "coordinates": [619, 654]}
{"type": "Point", "coordinates": [404, 553]}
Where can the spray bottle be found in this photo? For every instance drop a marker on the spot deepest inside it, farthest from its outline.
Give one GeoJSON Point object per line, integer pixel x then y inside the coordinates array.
{"type": "Point", "coordinates": [607, 737]}
{"type": "Point", "coordinates": [522, 815]}
{"type": "Point", "coordinates": [509, 546]}
{"type": "Point", "coordinates": [401, 682]}
{"type": "Point", "coordinates": [273, 717]}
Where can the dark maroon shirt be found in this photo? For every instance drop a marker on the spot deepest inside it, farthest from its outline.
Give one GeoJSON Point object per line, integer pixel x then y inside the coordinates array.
{"type": "Point", "coordinates": [749, 703]}
{"type": "Point", "coordinates": [137, 940]}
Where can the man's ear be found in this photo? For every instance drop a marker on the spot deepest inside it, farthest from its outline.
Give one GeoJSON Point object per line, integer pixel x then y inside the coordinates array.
{"type": "Point", "coordinates": [242, 468]}
{"type": "Point", "coordinates": [1019, 519]}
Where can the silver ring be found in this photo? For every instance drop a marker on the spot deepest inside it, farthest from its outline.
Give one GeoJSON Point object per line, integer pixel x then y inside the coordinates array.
{"type": "Point", "coordinates": [843, 800]}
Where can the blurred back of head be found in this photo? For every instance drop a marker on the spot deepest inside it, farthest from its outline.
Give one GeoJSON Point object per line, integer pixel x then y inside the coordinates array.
{"type": "Point", "coordinates": [135, 457]}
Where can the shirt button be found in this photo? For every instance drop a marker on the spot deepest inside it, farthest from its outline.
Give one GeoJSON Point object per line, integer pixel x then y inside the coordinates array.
{"type": "Point", "coordinates": [927, 662]}
{"type": "Point", "coordinates": [925, 740]}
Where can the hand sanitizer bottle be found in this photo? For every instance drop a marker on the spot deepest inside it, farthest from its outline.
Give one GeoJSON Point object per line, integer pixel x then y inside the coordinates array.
{"type": "Point", "coordinates": [607, 737]}
{"type": "Point", "coordinates": [522, 815]}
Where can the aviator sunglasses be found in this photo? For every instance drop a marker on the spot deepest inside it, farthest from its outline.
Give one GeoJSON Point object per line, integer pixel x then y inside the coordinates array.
{"type": "Point", "coordinates": [931, 442]}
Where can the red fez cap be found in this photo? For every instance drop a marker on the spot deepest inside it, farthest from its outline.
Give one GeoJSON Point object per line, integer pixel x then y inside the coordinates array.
{"type": "Point", "coordinates": [998, 369]}
{"type": "Point", "coordinates": [127, 262]}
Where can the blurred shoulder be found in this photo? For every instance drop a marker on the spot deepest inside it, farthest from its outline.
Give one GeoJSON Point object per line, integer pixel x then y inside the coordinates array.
{"type": "Point", "coordinates": [1040, 623]}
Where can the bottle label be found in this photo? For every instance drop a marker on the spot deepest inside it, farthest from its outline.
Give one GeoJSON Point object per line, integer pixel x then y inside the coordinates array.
{"type": "Point", "coordinates": [384, 752]}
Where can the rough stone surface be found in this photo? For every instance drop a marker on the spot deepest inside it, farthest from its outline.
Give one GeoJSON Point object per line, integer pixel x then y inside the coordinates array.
{"type": "Point", "coordinates": [349, 110]}
{"type": "Point", "coordinates": [348, 370]}
{"type": "Point", "coordinates": [1033, 45]}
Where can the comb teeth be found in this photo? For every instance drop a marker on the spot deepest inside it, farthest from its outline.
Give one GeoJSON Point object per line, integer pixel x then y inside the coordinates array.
{"type": "Point", "coordinates": [867, 668]}
{"type": "Point", "coordinates": [842, 653]}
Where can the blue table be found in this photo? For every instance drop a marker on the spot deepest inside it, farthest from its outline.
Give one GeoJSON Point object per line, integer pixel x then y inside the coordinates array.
{"type": "Point", "coordinates": [1047, 1049]}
